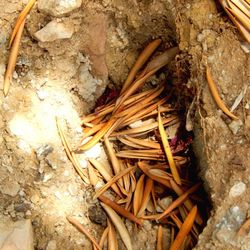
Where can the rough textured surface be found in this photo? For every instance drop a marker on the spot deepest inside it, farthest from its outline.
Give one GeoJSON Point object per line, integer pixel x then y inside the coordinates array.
{"type": "Point", "coordinates": [54, 30]}
{"type": "Point", "coordinates": [16, 236]}
{"type": "Point", "coordinates": [58, 7]}
{"type": "Point", "coordinates": [65, 77]}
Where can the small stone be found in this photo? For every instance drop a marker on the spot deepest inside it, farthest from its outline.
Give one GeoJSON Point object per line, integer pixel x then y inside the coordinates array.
{"type": "Point", "coordinates": [44, 150]}
{"type": "Point", "coordinates": [235, 126]}
{"type": "Point", "coordinates": [28, 213]}
{"type": "Point", "coordinates": [97, 215]}
{"type": "Point", "coordinates": [94, 152]}
{"type": "Point", "coordinates": [23, 207]}
{"type": "Point", "coordinates": [165, 202]}
{"type": "Point", "coordinates": [34, 198]}
{"type": "Point", "coordinates": [47, 177]}
{"type": "Point", "coordinates": [58, 195]}
{"type": "Point", "coordinates": [58, 7]}
{"type": "Point", "coordinates": [237, 189]}
{"type": "Point", "coordinates": [18, 235]}
{"type": "Point", "coordinates": [42, 95]}
{"type": "Point", "coordinates": [10, 187]}
{"type": "Point", "coordinates": [54, 31]}
{"type": "Point", "coordinates": [51, 245]}
{"type": "Point", "coordinates": [15, 75]}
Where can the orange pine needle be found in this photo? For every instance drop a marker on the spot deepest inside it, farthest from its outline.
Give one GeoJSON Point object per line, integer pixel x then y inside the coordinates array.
{"type": "Point", "coordinates": [120, 210]}
{"type": "Point", "coordinates": [146, 196]}
{"type": "Point", "coordinates": [97, 137]}
{"type": "Point", "coordinates": [106, 175]}
{"type": "Point", "coordinates": [243, 229]}
{"type": "Point", "coordinates": [159, 238]}
{"type": "Point", "coordinates": [178, 201]}
{"type": "Point", "coordinates": [112, 181]}
{"type": "Point", "coordinates": [143, 57]}
{"type": "Point", "coordinates": [112, 238]}
{"type": "Point", "coordinates": [184, 230]}
{"type": "Point", "coordinates": [104, 237]}
{"type": "Point", "coordinates": [20, 20]}
{"type": "Point", "coordinates": [12, 59]}
{"type": "Point", "coordinates": [216, 96]}
{"type": "Point", "coordinates": [168, 152]}
{"type": "Point", "coordinates": [80, 227]}
{"type": "Point", "coordinates": [138, 194]}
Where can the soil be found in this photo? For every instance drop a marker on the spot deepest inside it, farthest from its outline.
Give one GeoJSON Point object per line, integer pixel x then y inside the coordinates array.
{"type": "Point", "coordinates": [65, 77]}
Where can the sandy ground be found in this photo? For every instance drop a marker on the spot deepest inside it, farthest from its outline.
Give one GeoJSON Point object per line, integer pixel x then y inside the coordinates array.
{"type": "Point", "coordinates": [64, 78]}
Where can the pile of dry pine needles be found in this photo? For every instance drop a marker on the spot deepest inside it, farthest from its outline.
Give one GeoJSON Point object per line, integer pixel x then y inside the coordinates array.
{"type": "Point", "coordinates": [145, 166]}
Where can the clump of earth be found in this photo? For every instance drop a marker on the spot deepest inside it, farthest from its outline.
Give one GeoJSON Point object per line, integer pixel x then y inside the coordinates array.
{"type": "Point", "coordinates": [70, 52]}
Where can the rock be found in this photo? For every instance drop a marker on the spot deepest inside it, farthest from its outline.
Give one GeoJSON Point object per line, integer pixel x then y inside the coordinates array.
{"type": "Point", "coordinates": [235, 126]}
{"type": "Point", "coordinates": [34, 198]}
{"type": "Point", "coordinates": [237, 189]}
{"type": "Point", "coordinates": [54, 31]}
{"type": "Point", "coordinates": [16, 236]}
{"type": "Point", "coordinates": [97, 215]}
{"type": "Point", "coordinates": [10, 187]}
{"type": "Point", "coordinates": [44, 150]}
{"type": "Point", "coordinates": [51, 245]}
{"type": "Point", "coordinates": [58, 7]}
{"type": "Point", "coordinates": [229, 224]}
{"type": "Point", "coordinates": [89, 87]}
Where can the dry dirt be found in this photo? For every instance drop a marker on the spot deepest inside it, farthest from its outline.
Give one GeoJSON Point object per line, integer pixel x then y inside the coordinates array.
{"type": "Point", "coordinates": [64, 78]}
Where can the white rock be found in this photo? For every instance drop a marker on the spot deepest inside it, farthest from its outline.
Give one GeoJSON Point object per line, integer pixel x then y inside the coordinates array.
{"type": "Point", "coordinates": [58, 7]}
{"type": "Point", "coordinates": [54, 31]}
{"type": "Point", "coordinates": [237, 189]}
{"type": "Point", "coordinates": [16, 236]}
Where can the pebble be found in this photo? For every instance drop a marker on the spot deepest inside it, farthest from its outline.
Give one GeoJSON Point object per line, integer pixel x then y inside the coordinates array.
{"type": "Point", "coordinates": [229, 224]}
{"type": "Point", "coordinates": [235, 126]}
{"type": "Point", "coordinates": [18, 235]}
{"type": "Point", "coordinates": [55, 31]}
{"type": "Point", "coordinates": [10, 188]}
{"type": "Point", "coordinates": [51, 245]}
{"type": "Point", "coordinates": [44, 150]}
{"type": "Point", "coordinates": [94, 152]}
{"type": "Point", "coordinates": [34, 198]}
{"type": "Point", "coordinates": [237, 189]}
{"type": "Point", "coordinates": [58, 7]}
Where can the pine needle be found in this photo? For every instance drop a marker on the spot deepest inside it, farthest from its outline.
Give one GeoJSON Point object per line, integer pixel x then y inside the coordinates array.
{"type": "Point", "coordinates": [168, 152]}
{"type": "Point", "coordinates": [143, 57]}
{"type": "Point", "coordinates": [146, 196]}
{"type": "Point", "coordinates": [20, 20]}
{"type": "Point", "coordinates": [112, 181]}
{"type": "Point", "coordinates": [12, 59]}
{"type": "Point", "coordinates": [120, 210]}
{"type": "Point", "coordinates": [216, 96]}
{"type": "Point", "coordinates": [80, 227]}
{"type": "Point", "coordinates": [118, 223]}
{"type": "Point", "coordinates": [106, 175]}
{"type": "Point", "coordinates": [138, 194]}
{"type": "Point", "coordinates": [184, 230]}
{"type": "Point", "coordinates": [179, 201]}
{"type": "Point", "coordinates": [70, 154]}
{"type": "Point", "coordinates": [112, 239]}
{"type": "Point", "coordinates": [103, 237]}
{"type": "Point", "coordinates": [159, 238]}
{"type": "Point", "coordinates": [97, 137]}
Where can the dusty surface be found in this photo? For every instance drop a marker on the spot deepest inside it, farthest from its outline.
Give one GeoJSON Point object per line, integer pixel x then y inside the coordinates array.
{"type": "Point", "coordinates": [64, 77]}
